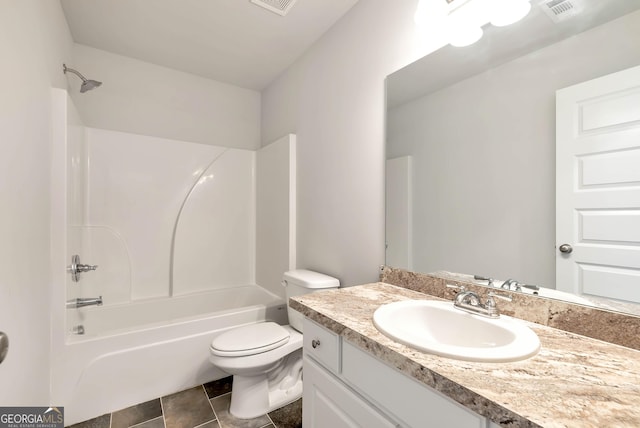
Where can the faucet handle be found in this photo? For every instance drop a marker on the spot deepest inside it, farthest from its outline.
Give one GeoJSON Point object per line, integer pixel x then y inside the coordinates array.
{"type": "Point", "coordinates": [511, 284]}
{"type": "Point", "coordinates": [460, 288]}
{"type": "Point", "coordinates": [491, 303]}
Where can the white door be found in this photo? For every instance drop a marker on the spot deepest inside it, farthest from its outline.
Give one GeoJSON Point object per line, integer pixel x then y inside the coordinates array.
{"type": "Point", "coordinates": [398, 215]}
{"type": "Point", "coordinates": [598, 187]}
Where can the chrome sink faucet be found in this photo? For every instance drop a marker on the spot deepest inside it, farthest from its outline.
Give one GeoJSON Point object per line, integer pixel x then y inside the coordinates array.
{"type": "Point", "coordinates": [469, 301]}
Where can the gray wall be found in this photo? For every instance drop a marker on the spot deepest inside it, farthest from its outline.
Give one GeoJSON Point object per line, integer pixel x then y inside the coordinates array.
{"type": "Point", "coordinates": [147, 99]}
{"type": "Point", "coordinates": [333, 100]}
{"type": "Point", "coordinates": [484, 157]}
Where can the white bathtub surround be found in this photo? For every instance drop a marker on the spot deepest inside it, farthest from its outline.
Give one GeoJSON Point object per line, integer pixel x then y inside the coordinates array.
{"type": "Point", "coordinates": [276, 212]}
{"type": "Point", "coordinates": [140, 191]}
{"type": "Point", "coordinates": [131, 204]}
{"type": "Point", "coordinates": [72, 159]}
{"type": "Point", "coordinates": [214, 238]}
{"type": "Point", "coordinates": [112, 320]}
{"type": "Point", "coordinates": [166, 217]}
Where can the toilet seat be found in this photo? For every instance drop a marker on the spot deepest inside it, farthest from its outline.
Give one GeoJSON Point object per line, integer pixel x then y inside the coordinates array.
{"type": "Point", "coordinates": [250, 340]}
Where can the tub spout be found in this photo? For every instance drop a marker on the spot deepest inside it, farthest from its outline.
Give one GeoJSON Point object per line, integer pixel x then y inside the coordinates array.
{"type": "Point", "coordinates": [81, 303]}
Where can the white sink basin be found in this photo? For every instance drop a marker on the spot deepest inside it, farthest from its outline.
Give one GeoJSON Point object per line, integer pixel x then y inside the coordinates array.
{"type": "Point", "coordinates": [439, 328]}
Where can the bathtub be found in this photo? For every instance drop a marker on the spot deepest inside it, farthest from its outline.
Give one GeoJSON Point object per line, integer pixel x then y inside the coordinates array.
{"type": "Point", "coordinates": [136, 352]}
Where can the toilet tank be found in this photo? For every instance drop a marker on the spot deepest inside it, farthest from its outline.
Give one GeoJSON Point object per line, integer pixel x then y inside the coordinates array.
{"type": "Point", "coordinates": [299, 282]}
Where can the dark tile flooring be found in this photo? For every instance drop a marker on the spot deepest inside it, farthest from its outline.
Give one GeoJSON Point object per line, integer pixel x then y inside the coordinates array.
{"type": "Point", "coordinates": [205, 406]}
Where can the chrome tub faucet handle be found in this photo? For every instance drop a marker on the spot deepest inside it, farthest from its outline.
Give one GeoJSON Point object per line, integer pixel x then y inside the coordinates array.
{"type": "Point", "coordinates": [82, 302]}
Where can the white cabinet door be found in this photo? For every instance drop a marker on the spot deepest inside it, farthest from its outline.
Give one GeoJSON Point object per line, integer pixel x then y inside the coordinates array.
{"type": "Point", "coordinates": [329, 404]}
{"type": "Point", "coordinates": [598, 186]}
{"type": "Point", "coordinates": [402, 398]}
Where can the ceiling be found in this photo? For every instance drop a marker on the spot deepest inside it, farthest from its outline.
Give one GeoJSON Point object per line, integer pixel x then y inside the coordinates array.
{"type": "Point", "coordinates": [232, 41]}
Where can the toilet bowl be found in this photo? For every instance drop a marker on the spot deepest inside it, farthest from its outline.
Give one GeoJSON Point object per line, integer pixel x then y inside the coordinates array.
{"type": "Point", "coordinates": [265, 358]}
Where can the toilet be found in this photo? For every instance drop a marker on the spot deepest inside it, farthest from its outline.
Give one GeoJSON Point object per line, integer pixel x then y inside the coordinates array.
{"type": "Point", "coordinates": [265, 358]}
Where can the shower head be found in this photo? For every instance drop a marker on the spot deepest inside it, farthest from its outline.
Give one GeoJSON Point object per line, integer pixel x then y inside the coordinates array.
{"type": "Point", "coordinates": [87, 84]}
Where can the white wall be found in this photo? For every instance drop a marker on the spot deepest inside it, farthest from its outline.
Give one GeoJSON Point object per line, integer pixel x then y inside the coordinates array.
{"type": "Point", "coordinates": [484, 157]}
{"type": "Point", "coordinates": [147, 99]}
{"type": "Point", "coordinates": [333, 99]}
{"type": "Point", "coordinates": [35, 41]}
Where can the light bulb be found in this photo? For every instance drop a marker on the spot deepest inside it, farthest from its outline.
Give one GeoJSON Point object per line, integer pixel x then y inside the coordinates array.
{"type": "Point", "coordinates": [507, 12]}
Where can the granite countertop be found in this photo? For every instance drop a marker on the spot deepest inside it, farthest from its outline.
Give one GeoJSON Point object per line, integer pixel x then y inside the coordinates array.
{"type": "Point", "coordinates": [574, 381]}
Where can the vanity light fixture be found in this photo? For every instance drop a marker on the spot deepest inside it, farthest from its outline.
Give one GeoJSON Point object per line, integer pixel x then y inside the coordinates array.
{"type": "Point", "coordinates": [462, 20]}
{"type": "Point", "coordinates": [463, 29]}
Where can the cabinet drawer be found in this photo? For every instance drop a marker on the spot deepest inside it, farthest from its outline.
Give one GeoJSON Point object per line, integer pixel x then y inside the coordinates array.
{"type": "Point", "coordinates": [322, 345]}
{"type": "Point", "coordinates": [403, 398]}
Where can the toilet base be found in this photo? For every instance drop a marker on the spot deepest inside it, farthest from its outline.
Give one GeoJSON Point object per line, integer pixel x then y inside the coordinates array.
{"type": "Point", "coordinates": [254, 396]}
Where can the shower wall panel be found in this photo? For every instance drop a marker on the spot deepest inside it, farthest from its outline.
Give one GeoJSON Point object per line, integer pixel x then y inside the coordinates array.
{"type": "Point", "coordinates": [215, 236]}
{"type": "Point", "coordinates": [275, 212]}
{"type": "Point", "coordinates": [76, 171]}
{"type": "Point", "coordinates": [136, 189]}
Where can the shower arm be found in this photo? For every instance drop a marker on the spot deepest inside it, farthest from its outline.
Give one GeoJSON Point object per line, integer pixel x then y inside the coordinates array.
{"type": "Point", "coordinates": [71, 70]}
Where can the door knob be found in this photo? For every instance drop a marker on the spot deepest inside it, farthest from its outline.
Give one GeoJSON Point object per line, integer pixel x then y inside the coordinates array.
{"type": "Point", "coordinates": [4, 346]}
{"type": "Point", "coordinates": [565, 248]}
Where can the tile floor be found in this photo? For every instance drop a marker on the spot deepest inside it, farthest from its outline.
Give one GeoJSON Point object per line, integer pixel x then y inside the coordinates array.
{"type": "Point", "coordinates": [205, 406]}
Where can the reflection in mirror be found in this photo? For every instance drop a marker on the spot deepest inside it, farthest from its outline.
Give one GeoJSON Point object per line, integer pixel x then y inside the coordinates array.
{"type": "Point", "coordinates": [471, 156]}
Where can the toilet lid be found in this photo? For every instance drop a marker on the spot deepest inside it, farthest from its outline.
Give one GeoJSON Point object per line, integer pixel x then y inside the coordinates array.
{"type": "Point", "coordinates": [249, 340]}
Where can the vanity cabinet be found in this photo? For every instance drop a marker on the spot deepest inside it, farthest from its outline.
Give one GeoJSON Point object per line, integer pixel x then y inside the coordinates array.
{"type": "Point", "coordinates": [328, 403]}
{"type": "Point", "coordinates": [347, 387]}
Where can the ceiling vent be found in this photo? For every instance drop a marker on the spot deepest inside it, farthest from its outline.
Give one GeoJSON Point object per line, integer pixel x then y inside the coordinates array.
{"type": "Point", "coordinates": [281, 7]}
{"type": "Point", "coordinates": [561, 10]}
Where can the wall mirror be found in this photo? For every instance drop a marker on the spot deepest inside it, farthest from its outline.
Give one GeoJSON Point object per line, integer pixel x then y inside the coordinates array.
{"type": "Point", "coordinates": [471, 152]}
